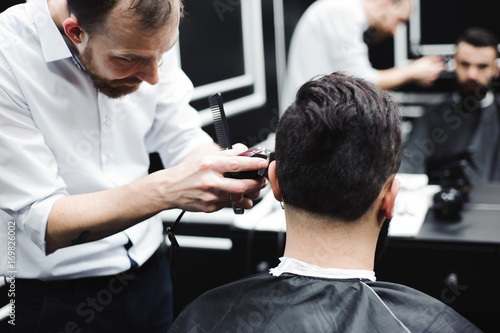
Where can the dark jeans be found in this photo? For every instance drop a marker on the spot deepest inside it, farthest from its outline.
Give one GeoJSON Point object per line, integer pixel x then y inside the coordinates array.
{"type": "Point", "coordinates": [138, 300]}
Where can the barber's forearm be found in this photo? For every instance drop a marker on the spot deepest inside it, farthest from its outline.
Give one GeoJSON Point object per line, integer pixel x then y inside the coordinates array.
{"type": "Point", "coordinates": [392, 78]}
{"type": "Point", "coordinates": [83, 218]}
{"type": "Point", "coordinates": [196, 184]}
{"type": "Point", "coordinates": [423, 71]}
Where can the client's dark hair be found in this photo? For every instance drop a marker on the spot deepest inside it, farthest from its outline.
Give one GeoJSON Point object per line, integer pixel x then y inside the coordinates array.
{"type": "Point", "coordinates": [150, 14]}
{"type": "Point", "coordinates": [479, 37]}
{"type": "Point", "coordinates": [337, 145]}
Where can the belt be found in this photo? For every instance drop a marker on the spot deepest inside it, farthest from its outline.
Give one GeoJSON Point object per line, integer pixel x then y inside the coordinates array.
{"type": "Point", "coordinates": [98, 282]}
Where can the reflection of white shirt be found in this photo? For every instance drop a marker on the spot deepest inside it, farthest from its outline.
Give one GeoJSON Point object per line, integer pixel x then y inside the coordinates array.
{"type": "Point", "coordinates": [328, 38]}
{"type": "Point", "coordinates": [59, 137]}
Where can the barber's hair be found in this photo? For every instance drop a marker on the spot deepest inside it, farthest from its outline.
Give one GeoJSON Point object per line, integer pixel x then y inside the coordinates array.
{"type": "Point", "coordinates": [337, 145]}
{"type": "Point", "coordinates": [150, 14]}
{"type": "Point", "coordinates": [479, 37]}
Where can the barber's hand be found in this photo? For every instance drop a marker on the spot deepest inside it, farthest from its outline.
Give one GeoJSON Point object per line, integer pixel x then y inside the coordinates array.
{"type": "Point", "coordinates": [198, 183]}
{"type": "Point", "coordinates": [426, 70]}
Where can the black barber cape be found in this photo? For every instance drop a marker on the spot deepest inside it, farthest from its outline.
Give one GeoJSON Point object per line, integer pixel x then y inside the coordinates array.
{"type": "Point", "coordinates": [298, 304]}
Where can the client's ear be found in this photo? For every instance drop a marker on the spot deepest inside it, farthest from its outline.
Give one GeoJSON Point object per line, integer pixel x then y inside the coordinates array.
{"type": "Point", "coordinates": [389, 199]}
{"type": "Point", "coordinates": [271, 172]}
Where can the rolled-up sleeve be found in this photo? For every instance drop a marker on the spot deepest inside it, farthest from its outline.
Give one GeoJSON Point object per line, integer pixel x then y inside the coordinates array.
{"type": "Point", "coordinates": [29, 180]}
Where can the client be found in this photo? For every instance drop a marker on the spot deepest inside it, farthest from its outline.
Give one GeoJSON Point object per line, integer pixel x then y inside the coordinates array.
{"type": "Point", "coordinates": [338, 147]}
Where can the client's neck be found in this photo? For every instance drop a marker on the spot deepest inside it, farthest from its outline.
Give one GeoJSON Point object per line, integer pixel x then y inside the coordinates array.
{"type": "Point", "coordinates": [326, 243]}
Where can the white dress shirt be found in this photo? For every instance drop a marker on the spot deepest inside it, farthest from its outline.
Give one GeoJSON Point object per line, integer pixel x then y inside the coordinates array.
{"type": "Point", "coordinates": [59, 137]}
{"type": "Point", "coordinates": [328, 38]}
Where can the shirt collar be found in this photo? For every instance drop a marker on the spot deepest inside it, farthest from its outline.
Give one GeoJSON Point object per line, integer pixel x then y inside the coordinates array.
{"type": "Point", "coordinates": [53, 45]}
{"type": "Point", "coordinates": [297, 267]}
{"type": "Point", "coordinates": [484, 103]}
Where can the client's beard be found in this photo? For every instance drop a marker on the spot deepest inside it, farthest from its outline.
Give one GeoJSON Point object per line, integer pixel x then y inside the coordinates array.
{"type": "Point", "coordinates": [478, 92]}
{"type": "Point", "coordinates": [110, 88]}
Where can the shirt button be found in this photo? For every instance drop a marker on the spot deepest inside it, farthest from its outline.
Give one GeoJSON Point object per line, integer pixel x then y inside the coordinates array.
{"type": "Point", "coordinates": [107, 122]}
{"type": "Point", "coordinates": [107, 159]}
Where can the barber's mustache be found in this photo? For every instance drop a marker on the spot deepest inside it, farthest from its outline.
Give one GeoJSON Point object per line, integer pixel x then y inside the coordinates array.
{"type": "Point", "coordinates": [121, 82]}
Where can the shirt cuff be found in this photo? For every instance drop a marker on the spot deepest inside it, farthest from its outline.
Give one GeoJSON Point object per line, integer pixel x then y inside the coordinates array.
{"type": "Point", "coordinates": [33, 219]}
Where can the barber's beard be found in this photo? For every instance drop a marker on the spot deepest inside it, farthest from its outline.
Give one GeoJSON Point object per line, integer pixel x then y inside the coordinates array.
{"type": "Point", "coordinates": [374, 36]}
{"type": "Point", "coordinates": [110, 88]}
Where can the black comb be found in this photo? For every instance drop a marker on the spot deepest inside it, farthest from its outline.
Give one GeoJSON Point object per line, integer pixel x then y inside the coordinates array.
{"type": "Point", "coordinates": [221, 130]}
{"type": "Point", "coordinates": [220, 122]}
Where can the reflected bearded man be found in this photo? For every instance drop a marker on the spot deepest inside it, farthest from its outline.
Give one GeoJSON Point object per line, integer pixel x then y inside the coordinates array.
{"type": "Point", "coordinates": [466, 126]}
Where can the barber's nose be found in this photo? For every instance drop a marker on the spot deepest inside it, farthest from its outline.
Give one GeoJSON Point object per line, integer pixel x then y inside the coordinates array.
{"type": "Point", "coordinates": [149, 73]}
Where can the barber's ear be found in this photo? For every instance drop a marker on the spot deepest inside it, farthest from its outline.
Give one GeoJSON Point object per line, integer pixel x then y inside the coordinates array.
{"type": "Point", "coordinates": [74, 30]}
{"type": "Point", "coordinates": [271, 172]}
{"type": "Point", "coordinates": [389, 199]}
